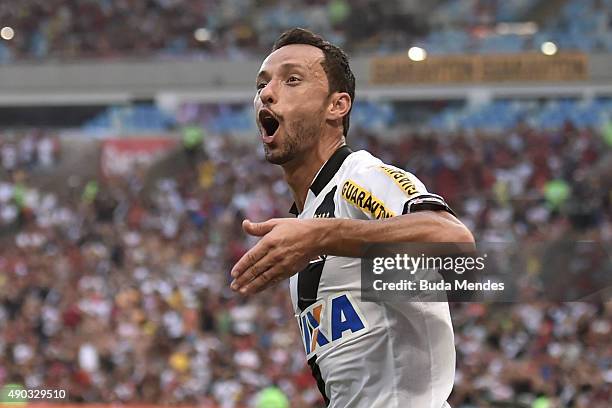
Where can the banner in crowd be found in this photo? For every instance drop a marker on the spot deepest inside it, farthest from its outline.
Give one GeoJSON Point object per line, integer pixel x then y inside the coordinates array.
{"type": "Point", "coordinates": [399, 69]}
{"type": "Point", "coordinates": [121, 156]}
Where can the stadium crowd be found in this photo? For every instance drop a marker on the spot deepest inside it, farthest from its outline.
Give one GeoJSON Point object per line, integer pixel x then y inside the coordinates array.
{"type": "Point", "coordinates": [119, 292]}
{"type": "Point", "coordinates": [63, 29]}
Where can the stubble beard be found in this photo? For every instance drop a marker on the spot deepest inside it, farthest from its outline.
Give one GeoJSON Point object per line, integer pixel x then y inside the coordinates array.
{"type": "Point", "coordinates": [297, 139]}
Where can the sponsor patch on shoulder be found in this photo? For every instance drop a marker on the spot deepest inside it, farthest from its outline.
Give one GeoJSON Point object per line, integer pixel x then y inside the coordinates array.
{"type": "Point", "coordinates": [402, 179]}
{"type": "Point", "coordinates": [364, 200]}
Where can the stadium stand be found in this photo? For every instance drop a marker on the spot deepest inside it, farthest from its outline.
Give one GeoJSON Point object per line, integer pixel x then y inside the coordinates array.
{"type": "Point", "coordinates": [504, 115]}
{"type": "Point", "coordinates": [215, 118]}
{"type": "Point", "coordinates": [500, 115]}
{"type": "Point", "coordinates": [128, 119]}
{"type": "Point", "coordinates": [237, 29]}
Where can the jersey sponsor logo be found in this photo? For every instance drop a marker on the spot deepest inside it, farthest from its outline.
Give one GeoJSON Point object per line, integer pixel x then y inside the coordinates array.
{"type": "Point", "coordinates": [402, 179]}
{"type": "Point", "coordinates": [364, 200]}
{"type": "Point", "coordinates": [330, 322]}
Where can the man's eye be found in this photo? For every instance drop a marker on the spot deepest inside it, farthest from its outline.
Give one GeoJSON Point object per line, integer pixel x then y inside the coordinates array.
{"type": "Point", "coordinates": [261, 85]}
{"type": "Point", "coordinates": [293, 79]}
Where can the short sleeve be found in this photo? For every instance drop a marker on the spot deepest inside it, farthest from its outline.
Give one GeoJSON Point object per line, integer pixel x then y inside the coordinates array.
{"type": "Point", "coordinates": [382, 191]}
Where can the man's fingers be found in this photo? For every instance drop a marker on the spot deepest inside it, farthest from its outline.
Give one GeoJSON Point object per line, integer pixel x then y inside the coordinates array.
{"type": "Point", "coordinates": [250, 273]}
{"type": "Point", "coordinates": [258, 229]}
{"type": "Point", "coordinates": [264, 280]}
{"type": "Point", "coordinates": [258, 269]}
{"type": "Point", "coordinates": [249, 259]}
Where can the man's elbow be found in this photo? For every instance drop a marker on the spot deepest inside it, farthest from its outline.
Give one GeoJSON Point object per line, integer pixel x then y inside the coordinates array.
{"type": "Point", "coordinates": [463, 235]}
{"type": "Point", "coordinates": [454, 230]}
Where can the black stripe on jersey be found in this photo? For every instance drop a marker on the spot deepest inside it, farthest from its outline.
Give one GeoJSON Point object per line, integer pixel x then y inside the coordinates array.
{"type": "Point", "coordinates": [329, 170]}
{"type": "Point", "coordinates": [309, 278]}
{"type": "Point", "coordinates": [308, 286]}
{"type": "Point", "coordinates": [308, 283]}
{"type": "Point", "coordinates": [316, 373]}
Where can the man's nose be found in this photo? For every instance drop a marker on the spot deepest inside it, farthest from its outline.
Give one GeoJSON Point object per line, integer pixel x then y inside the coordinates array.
{"type": "Point", "coordinates": [268, 94]}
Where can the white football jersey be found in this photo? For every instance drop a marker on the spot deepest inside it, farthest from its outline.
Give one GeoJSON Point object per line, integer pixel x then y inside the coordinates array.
{"type": "Point", "coordinates": [369, 354]}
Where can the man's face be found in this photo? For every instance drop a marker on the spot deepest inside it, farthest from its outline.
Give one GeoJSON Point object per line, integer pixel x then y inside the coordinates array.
{"type": "Point", "coordinates": [292, 93]}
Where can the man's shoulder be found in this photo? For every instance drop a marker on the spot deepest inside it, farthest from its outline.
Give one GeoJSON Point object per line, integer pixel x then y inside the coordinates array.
{"type": "Point", "coordinates": [364, 164]}
{"type": "Point", "coordinates": [360, 161]}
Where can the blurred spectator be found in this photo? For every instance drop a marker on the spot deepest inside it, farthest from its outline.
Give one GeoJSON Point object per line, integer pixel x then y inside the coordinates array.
{"type": "Point", "coordinates": [27, 150]}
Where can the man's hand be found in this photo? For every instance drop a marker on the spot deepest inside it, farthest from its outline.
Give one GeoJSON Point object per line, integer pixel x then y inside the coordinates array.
{"type": "Point", "coordinates": [286, 247]}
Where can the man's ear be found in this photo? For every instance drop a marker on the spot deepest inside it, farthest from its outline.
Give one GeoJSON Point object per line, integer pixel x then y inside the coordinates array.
{"type": "Point", "coordinates": [339, 106]}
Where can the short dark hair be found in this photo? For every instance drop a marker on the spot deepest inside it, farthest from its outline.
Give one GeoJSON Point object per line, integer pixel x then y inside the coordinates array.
{"type": "Point", "coordinates": [335, 63]}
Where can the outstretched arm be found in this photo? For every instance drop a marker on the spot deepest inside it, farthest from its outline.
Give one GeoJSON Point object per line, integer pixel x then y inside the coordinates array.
{"type": "Point", "coordinates": [288, 244]}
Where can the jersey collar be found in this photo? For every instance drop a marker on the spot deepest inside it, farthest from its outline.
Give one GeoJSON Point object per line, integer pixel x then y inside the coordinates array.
{"type": "Point", "coordinates": [327, 172]}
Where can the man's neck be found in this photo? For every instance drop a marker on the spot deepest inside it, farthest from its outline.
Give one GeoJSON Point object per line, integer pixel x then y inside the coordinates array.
{"type": "Point", "coordinates": [300, 173]}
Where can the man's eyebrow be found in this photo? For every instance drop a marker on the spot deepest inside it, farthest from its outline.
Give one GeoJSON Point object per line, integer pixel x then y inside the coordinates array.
{"type": "Point", "coordinates": [284, 66]}
{"type": "Point", "coordinates": [261, 74]}
{"type": "Point", "coordinates": [289, 65]}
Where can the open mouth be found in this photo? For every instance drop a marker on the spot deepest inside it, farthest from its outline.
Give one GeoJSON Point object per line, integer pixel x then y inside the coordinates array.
{"type": "Point", "coordinates": [268, 122]}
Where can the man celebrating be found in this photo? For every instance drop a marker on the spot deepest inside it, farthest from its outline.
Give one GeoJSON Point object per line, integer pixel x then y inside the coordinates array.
{"type": "Point", "coordinates": [362, 354]}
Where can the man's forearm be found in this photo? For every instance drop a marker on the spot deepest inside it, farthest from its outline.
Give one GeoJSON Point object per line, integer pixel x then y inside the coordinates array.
{"type": "Point", "coordinates": [347, 237]}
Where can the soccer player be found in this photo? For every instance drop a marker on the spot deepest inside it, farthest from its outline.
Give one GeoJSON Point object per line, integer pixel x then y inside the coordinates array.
{"type": "Point", "coordinates": [362, 354]}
